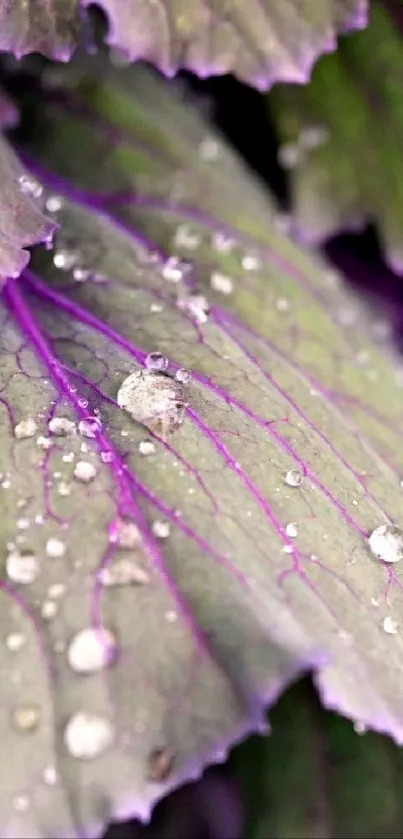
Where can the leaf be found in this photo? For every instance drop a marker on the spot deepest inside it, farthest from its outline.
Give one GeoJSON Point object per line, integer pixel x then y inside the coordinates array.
{"type": "Point", "coordinates": [343, 165]}
{"type": "Point", "coordinates": [9, 116]}
{"type": "Point", "coordinates": [22, 222]}
{"type": "Point", "coordinates": [46, 26]}
{"type": "Point", "coordinates": [261, 42]}
{"type": "Point", "coordinates": [240, 579]}
{"type": "Point", "coordinates": [353, 787]}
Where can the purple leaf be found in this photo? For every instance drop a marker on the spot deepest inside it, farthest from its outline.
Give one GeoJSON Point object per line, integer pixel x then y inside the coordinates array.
{"type": "Point", "coordinates": [261, 42]}
{"type": "Point", "coordinates": [22, 222]}
{"type": "Point", "coordinates": [163, 582]}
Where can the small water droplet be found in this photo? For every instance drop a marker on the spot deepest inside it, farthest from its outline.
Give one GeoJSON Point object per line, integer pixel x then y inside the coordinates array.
{"type": "Point", "coordinates": [15, 641]}
{"type": "Point", "coordinates": [160, 765]}
{"type": "Point", "coordinates": [81, 275]}
{"type": "Point", "coordinates": [293, 478]}
{"type": "Point", "coordinates": [84, 471]}
{"type": "Point", "coordinates": [161, 529]}
{"type": "Point", "coordinates": [56, 591]}
{"type": "Point", "coordinates": [86, 735]}
{"type": "Point", "coordinates": [125, 534]}
{"type": "Point", "coordinates": [289, 155]}
{"type": "Point", "coordinates": [49, 610]}
{"type": "Point", "coordinates": [292, 529]}
{"type": "Point", "coordinates": [92, 649]}
{"type": "Point", "coordinates": [154, 400]}
{"type": "Point", "coordinates": [171, 616]}
{"type": "Point", "coordinates": [390, 625]}
{"type": "Point", "coordinates": [30, 186]}
{"type": "Point", "coordinates": [25, 429]}
{"type": "Point", "coordinates": [64, 488]}
{"type": "Point", "coordinates": [61, 426]}
{"type": "Point", "coordinates": [54, 203]}
{"type": "Point", "coordinates": [49, 775]}
{"type": "Point", "coordinates": [26, 718]}
{"type": "Point", "coordinates": [374, 602]}
{"type": "Point", "coordinates": [106, 457]}
{"type": "Point", "coordinates": [282, 304]}
{"type": "Point", "coordinates": [221, 283]}
{"type": "Point", "coordinates": [21, 803]}
{"type": "Point", "coordinates": [196, 305]}
{"type": "Point", "coordinates": [44, 443]}
{"type": "Point", "coordinates": [386, 543]}
{"type": "Point", "coordinates": [175, 269]}
{"type": "Point", "coordinates": [360, 728]}
{"type": "Point", "coordinates": [90, 427]}
{"type": "Point", "coordinates": [313, 136]}
{"type": "Point", "coordinates": [187, 238]}
{"type": "Point", "coordinates": [55, 548]}
{"type": "Point", "coordinates": [22, 567]}
{"type": "Point", "coordinates": [123, 572]}
{"type": "Point", "coordinates": [146, 447]}
{"type": "Point", "coordinates": [23, 524]}
{"type": "Point", "coordinates": [183, 376]}
{"type": "Point", "coordinates": [156, 361]}
{"type": "Point", "coordinates": [222, 242]}
{"type": "Point", "coordinates": [209, 149]}
{"type": "Point", "coordinates": [65, 259]}
{"type": "Point", "coordinates": [250, 262]}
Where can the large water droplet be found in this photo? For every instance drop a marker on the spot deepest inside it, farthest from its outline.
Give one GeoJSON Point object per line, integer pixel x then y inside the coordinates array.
{"type": "Point", "coordinates": [386, 543]}
{"type": "Point", "coordinates": [90, 427]}
{"type": "Point", "coordinates": [123, 572]}
{"type": "Point", "coordinates": [183, 376]}
{"type": "Point", "coordinates": [154, 400]}
{"type": "Point", "coordinates": [156, 361]}
{"type": "Point", "coordinates": [87, 735]}
{"type": "Point", "coordinates": [25, 429]}
{"type": "Point", "coordinates": [22, 567]}
{"type": "Point", "coordinates": [293, 478]}
{"type": "Point", "coordinates": [55, 548]}
{"type": "Point", "coordinates": [30, 186]}
{"type": "Point", "coordinates": [84, 471]}
{"type": "Point", "coordinates": [160, 765]}
{"type": "Point", "coordinates": [92, 649]}
{"type": "Point", "coordinates": [54, 203]}
{"type": "Point", "coordinates": [61, 426]}
{"type": "Point", "coordinates": [26, 718]}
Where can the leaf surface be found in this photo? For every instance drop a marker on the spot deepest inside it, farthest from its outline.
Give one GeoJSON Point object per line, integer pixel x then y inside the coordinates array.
{"type": "Point", "coordinates": [46, 26]}
{"type": "Point", "coordinates": [239, 580]}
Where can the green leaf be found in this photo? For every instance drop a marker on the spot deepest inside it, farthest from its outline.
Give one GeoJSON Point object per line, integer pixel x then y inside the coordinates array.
{"type": "Point", "coordinates": [239, 575]}
{"type": "Point", "coordinates": [342, 137]}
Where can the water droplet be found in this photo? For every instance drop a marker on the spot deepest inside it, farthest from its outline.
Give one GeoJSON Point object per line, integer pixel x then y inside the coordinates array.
{"type": "Point", "coordinates": [80, 275]}
{"type": "Point", "coordinates": [183, 376]}
{"type": "Point", "coordinates": [146, 447]}
{"type": "Point", "coordinates": [386, 543]}
{"type": "Point", "coordinates": [223, 242]}
{"type": "Point", "coordinates": [160, 765]}
{"type": "Point", "coordinates": [360, 728]}
{"type": "Point", "coordinates": [49, 610]}
{"type": "Point", "coordinates": [292, 529]}
{"type": "Point", "coordinates": [15, 641]}
{"type": "Point", "coordinates": [176, 269]}
{"type": "Point", "coordinates": [65, 259]}
{"type": "Point", "coordinates": [84, 471]}
{"type": "Point", "coordinates": [22, 567]}
{"type": "Point", "coordinates": [250, 262]}
{"type": "Point", "coordinates": [106, 457]}
{"type": "Point", "coordinates": [209, 149]}
{"type": "Point", "coordinates": [125, 534]}
{"type": "Point", "coordinates": [26, 718]}
{"type": "Point", "coordinates": [91, 649]}
{"type": "Point", "coordinates": [390, 625]}
{"type": "Point", "coordinates": [64, 489]}
{"type": "Point", "coordinates": [313, 136]}
{"type": "Point", "coordinates": [221, 283]}
{"type": "Point", "coordinates": [25, 429]}
{"type": "Point", "coordinates": [21, 803]}
{"type": "Point", "coordinates": [49, 775]}
{"type": "Point", "coordinates": [87, 735]}
{"type": "Point", "coordinates": [282, 304]}
{"type": "Point", "coordinates": [30, 186]}
{"type": "Point", "coordinates": [154, 400]}
{"type": "Point", "coordinates": [123, 572]}
{"type": "Point", "coordinates": [23, 524]}
{"type": "Point", "coordinates": [187, 238]}
{"type": "Point", "coordinates": [161, 529]}
{"type": "Point", "coordinates": [171, 616]}
{"type": "Point", "coordinates": [289, 155]}
{"type": "Point", "coordinates": [61, 426]}
{"type": "Point", "coordinates": [56, 591]}
{"type": "Point", "coordinates": [293, 478]}
{"type": "Point", "coordinates": [196, 305]}
{"type": "Point", "coordinates": [90, 427]}
{"type": "Point", "coordinates": [54, 203]}
{"type": "Point", "coordinates": [55, 548]}
{"type": "Point", "coordinates": [44, 443]}
{"type": "Point", "coordinates": [156, 361]}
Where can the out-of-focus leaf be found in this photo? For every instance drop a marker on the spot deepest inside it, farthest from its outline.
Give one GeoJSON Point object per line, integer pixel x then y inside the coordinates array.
{"type": "Point", "coordinates": [8, 112]}
{"type": "Point", "coordinates": [342, 137]}
{"type": "Point", "coordinates": [260, 41]}
{"type": "Point", "coordinates": [22, 222]}
{"type": "Point", "coordinates": [46, 26]}
{"type": "Point", "coordinates": [315, 777]}
{"type": "Point", "coordinates": [251, 562]}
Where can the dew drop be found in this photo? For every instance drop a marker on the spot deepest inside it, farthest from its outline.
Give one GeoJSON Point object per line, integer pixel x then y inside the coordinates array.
{"type": "Point", "coordinates": [55, 548]}
{"type": "Point", "coordinates": [209, 149]}
{"type": "Point", "coordinates": [292, 529]}
{"type": "Point", "coordinates": [30, 186]}
{"type": "Point", "coordinates": [293, 478]}
{"type": "Point", "coordinates": [221, 283]}
{"type": "Point", "coordinates": [44, 443]}
{"type": "Point", "coordinates": [390, 626]}
{"type": "Point", "coordinates": [86, 735]}
{"type": "Point", "coordinates": [64, 489]}
{"type": "Point", "coordinates": [176, 269]}
{"type": "Point", "coordinates": [156, 361]}
{"type": "Point", "coordinates": [90, 427]}
{"type": "Point", "coordinates": [15, 641]}
{"type": "Point", "coordinates": [161, 529]}
{"type": "Point", "coordinates": [313, 136]}
{"type": "Point", "coordinates": [49, 610]}
{"type": "Point", "coordinates": [84, 471]}
{"type": "Point", "coordinates": [222, 242]}
{"type": "Point", "coordinates": [196, 305]}
{"type": "Point", "coordinates": [26, 718]}
{"type": "Point", "coordinates": [54, 203]}
{"type": "Point", "coordinates": [187, 238]}
{"type": "Point", "coordinates": [106, 457]}
{"type": "Point", "coordinates": [25, 429]}
{"type": "Point", "coordinates": [21, 803]}
{"type": "Point", "coordinates": [65, 259]}
{"type": "Point", "coordinates": [154, 400]}
{"type": "Point", "coordinates": [160, 765]}
{"type": "Point", "coordinates": [92, 649]}
{"type": "Point", "coordinates": [146, 447]}
{"type": "Point", "coordinates": [360, 728]}
{"type": "Point", "coordinates": [250, 262]}
{"type": "Point", "coordinates": [61, 426]}
{"type": "Point", "coordinates": [80, 275]}
{"type": "Point", "coordinates": [56, 591]}
{"type": "Point", "coordinates": [49, 775]}
{"type": "Point", "coordinates": [386, 543]}
{"type": "Point", "coordinates": [289, 155]}
{"type": "Point", "coordinates": [125, 534]}
{"type": "Point", "coordinates": [183, 376]}
{"type": "Point", "coordinates": [123, 572]}
{"type": "Point", "coordinates": [22, 567]}
{"type": "Point", "coordinates": [282, 304]}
